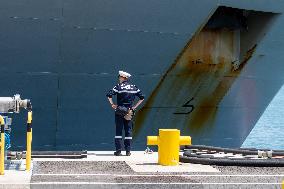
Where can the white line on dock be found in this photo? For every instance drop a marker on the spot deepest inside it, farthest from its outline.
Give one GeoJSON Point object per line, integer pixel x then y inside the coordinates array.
{"type": "Point", "coordinates": [151, 175]}
{"type": "Point", "coordinates": [139, 183]}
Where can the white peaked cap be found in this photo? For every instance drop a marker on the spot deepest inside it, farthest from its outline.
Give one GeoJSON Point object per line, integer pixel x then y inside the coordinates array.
{"type": "Point", "coordinates": [124, 74]}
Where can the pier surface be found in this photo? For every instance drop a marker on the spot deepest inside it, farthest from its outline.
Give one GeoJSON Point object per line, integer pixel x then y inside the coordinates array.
{"type": "Point", "coordinates": [103, 170]}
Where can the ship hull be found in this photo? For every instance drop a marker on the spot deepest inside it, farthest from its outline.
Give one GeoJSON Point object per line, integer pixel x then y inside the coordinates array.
{"type": "Point", "coordinates": [65, 54]}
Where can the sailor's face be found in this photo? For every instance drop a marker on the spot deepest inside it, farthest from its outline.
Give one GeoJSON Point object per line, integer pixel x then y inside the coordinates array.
{"type": "Point", "coordinates": [121, 79]}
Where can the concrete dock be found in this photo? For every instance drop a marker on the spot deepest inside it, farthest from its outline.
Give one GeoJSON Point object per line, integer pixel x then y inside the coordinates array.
{"type": "Point", "coordinates": [103, 170]}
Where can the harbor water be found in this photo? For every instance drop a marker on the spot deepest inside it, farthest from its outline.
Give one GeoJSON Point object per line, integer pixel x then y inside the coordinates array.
{"type": "Point", "coordinates": [269, 130]}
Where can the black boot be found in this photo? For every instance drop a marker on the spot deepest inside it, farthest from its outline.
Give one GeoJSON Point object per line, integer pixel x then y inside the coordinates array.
{"type": "Point", "coordinates": [117, 153]}
{"type": "Point", "coordinates": [128, 153]}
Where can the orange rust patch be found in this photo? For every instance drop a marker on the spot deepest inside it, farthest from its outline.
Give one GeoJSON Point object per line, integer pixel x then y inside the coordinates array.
{"type": "Point", "coordinates": [200, 72]}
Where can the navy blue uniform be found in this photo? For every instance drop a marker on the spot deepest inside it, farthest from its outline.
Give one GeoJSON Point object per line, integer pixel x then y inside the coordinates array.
{"type": "Point", "coordinates": [126, 94]}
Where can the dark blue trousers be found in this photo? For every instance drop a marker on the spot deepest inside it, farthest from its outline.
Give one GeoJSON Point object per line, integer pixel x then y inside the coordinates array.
{"type": "Point", "coordinates": [127, 125]}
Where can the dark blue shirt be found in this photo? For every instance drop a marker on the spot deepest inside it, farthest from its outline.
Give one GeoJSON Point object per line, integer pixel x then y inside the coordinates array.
{"type": "Point", "coordinates": [126, 93]}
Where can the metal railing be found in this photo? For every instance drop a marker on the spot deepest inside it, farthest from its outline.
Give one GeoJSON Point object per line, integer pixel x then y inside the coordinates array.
{"type": "Point", "coordinates": [29, 143]}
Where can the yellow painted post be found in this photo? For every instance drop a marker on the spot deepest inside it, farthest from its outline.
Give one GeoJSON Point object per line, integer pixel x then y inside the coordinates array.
{"type": "Point", "coordinates": [283, 184]}
{"type": "Point", "coordinates": [29, 141]}
{"type": "Point", "coordinates": [2, 148]}
{"type": "Point", "coordinates": [168, 141]}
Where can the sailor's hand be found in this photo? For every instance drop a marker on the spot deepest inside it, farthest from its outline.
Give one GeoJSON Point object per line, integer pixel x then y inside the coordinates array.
{"type": "Point", "coordinates": [114, 106]}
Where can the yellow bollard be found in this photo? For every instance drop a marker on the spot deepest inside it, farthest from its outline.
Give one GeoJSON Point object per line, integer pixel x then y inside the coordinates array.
{"type": "Point", "coordinates": [168, 141]}
{"type": "Point", "coordinates": [29, 142]}
{"type": "Point", "coordinates": [2, 147]}
{"type": "Point", "coordinates": [283, 184]}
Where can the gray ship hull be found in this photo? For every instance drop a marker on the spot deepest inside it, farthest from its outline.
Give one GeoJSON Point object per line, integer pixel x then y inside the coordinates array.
{"type": "Point", "coordinates": [65, 54]}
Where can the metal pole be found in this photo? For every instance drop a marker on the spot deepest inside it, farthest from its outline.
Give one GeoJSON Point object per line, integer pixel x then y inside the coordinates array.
{"type": "Point", "coordinates": [29, 141]}
{"type": "Point", "coordinates": [2, 156]}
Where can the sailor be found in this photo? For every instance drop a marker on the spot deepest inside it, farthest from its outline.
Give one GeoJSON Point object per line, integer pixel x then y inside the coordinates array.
{"type": "Point", "coordinates": [124, 110]}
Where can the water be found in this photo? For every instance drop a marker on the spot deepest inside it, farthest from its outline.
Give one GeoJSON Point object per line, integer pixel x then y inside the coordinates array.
{"type": "Point", "coordinates": [269, 130]}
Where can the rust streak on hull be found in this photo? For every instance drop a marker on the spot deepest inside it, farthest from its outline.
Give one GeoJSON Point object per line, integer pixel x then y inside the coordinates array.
{"type": "Point", "coordinates": [204, 73]}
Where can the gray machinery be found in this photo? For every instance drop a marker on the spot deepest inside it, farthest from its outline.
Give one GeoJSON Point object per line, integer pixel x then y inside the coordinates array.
{"type": "Point", "coordinates": [12, 105]}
